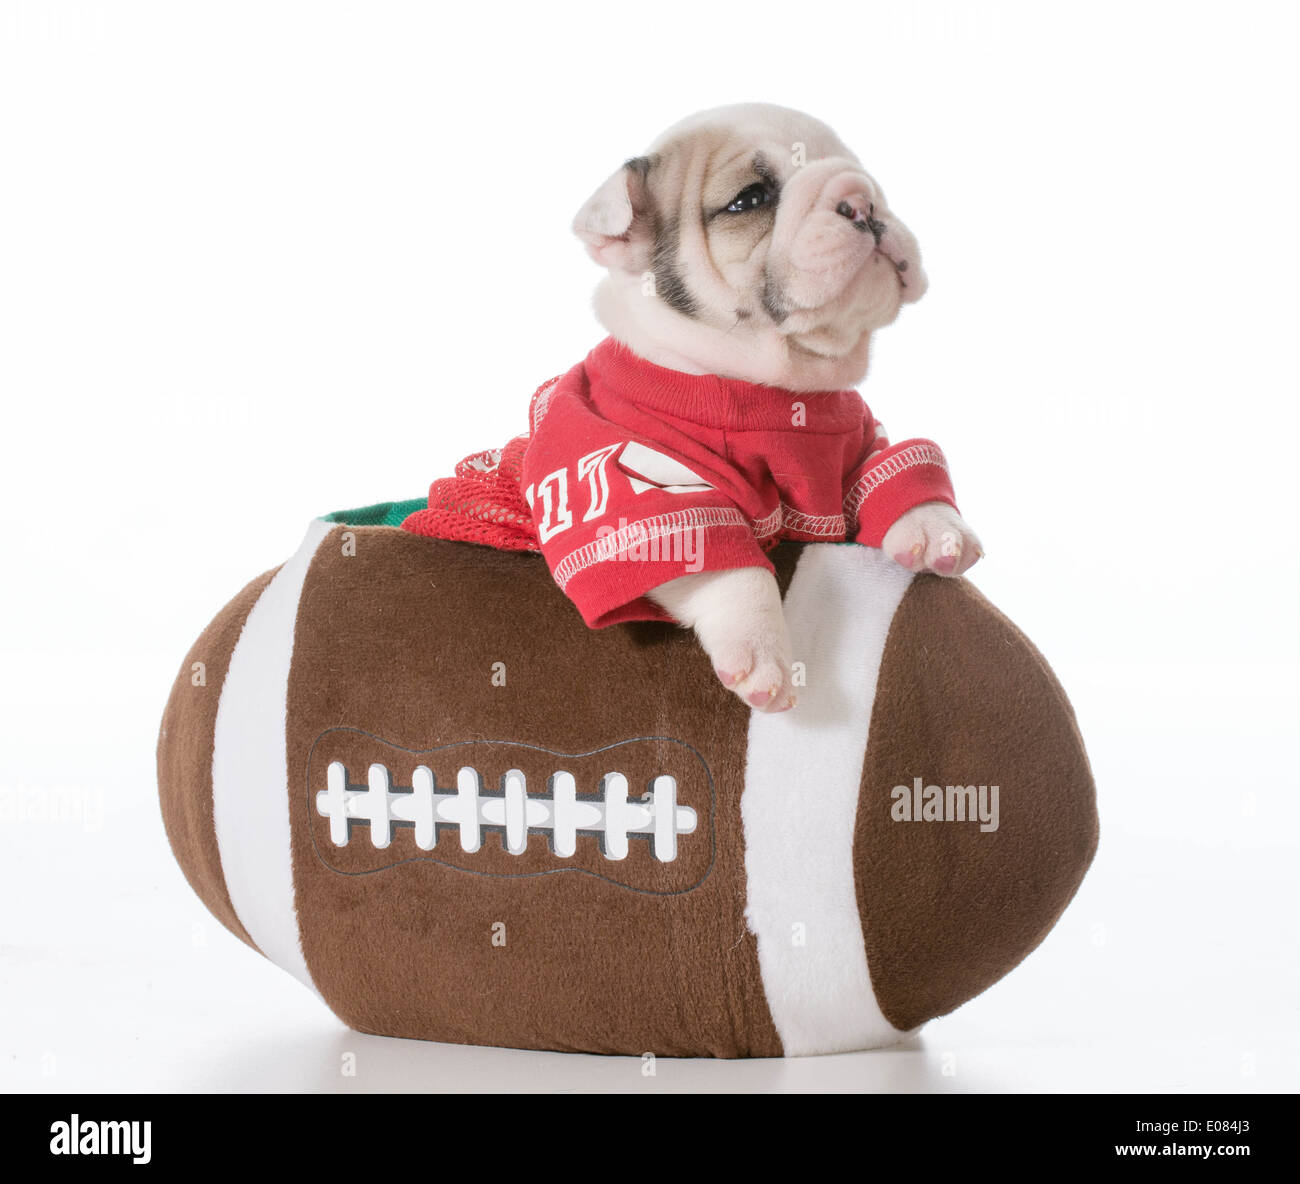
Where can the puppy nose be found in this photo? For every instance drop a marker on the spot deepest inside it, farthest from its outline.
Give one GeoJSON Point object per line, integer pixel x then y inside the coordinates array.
{"type": "Point", "coordinates": [863, 216]}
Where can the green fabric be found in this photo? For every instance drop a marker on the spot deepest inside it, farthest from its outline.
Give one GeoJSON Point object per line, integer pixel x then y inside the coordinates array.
{"type": "Point", "coordinates": [380, 514]}
{"type": "Point", "coordinates": [395, 513]}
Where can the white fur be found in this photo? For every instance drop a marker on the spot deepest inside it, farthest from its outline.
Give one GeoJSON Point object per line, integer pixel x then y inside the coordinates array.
{"type": "Point", "coordinates": [250, 773]}
{"type": "Point", "coordinates": [839, 284]}
{"type": "Point", "coordinates": [803, 779]}
{"type": "Point", "coordinates": [738, 619]}
{"type": "Point", "coordinates": [933, 537]}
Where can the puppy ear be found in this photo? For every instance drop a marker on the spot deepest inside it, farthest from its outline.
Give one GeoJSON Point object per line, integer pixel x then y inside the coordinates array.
{"type": "Point", "coordinates": [614, 222]}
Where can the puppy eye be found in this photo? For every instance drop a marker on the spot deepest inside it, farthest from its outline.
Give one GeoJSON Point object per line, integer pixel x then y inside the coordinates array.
{"type": "Point", "coordinates": [749, 198]}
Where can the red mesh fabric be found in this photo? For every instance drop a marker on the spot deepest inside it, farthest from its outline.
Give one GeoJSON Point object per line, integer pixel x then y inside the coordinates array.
{"type": "Point", "coordinates": [482, 503]}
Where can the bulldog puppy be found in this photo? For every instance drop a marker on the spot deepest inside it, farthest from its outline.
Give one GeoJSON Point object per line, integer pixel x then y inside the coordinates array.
{"type": "Point", "coordinates": [750, 243]}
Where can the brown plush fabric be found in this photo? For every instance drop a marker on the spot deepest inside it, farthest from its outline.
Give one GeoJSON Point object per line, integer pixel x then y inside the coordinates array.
{"type": "Point", "coordinates": [965, 699]}
{"type": "Point", "coordinates": [185, 757]}
{"type": "Point", "coordinates": [396, 647]}
{"type": "Point", "coordinates": [394, 655]}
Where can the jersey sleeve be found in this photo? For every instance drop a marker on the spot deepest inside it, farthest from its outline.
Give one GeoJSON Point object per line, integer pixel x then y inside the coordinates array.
{"type": "Point", "coordinates": [892, 480]}
{"type": "Point", "coordinates": [617, 516]}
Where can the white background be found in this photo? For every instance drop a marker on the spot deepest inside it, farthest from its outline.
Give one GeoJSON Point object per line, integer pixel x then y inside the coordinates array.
{"type": "Point", "coordinates": [259, 261]}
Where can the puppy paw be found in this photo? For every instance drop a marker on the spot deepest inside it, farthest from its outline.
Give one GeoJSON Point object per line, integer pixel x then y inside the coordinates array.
{"type": "Point", "coordinates": [933, 537]}
{"type": "Point", "coordinates": [737, 616]}
{"type": "Point", "coordinates": [755, 668]}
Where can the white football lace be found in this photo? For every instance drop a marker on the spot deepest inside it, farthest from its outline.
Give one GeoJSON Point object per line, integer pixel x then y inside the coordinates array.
{"type": "Point", "coordinates": [562, 815]}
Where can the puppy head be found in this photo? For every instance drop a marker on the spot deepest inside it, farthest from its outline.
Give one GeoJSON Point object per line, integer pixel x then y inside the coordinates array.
{"type": "Point", "coordinates": [750, 242]}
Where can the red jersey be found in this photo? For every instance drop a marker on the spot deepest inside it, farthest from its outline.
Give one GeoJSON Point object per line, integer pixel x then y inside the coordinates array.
{"type": "Point", "coordinates": [634, 474]}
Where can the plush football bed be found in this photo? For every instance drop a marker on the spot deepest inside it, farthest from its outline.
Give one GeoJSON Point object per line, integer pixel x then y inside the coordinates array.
{"type": "Point", "coordinates": [406, 772]}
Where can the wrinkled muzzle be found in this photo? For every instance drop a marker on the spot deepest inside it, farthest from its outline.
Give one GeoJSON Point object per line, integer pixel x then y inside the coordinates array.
{"type": "Point", "coordinates": [838, 250]}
